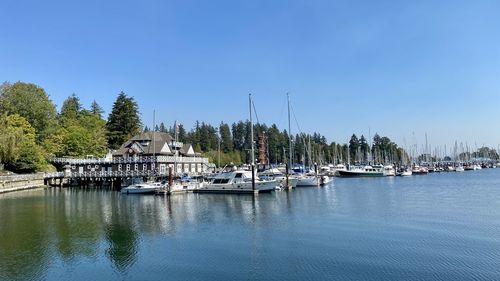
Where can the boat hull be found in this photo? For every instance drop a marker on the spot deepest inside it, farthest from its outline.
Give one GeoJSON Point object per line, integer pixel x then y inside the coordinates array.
{"type": "Point", "coordinates": [360, 174]}
{"type": "Point", "coordinates": [244, 187]}
{"type": "Point", "coordinates": [313, 181]}
{"type": "Point", "coordinates": [144, 190]}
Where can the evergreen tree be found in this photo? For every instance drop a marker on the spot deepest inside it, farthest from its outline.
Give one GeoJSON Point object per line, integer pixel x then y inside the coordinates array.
{"type": "Point", "coordinates": [70, 109]}
{"type": "Point", "coordinates": [96, 109]}
{"type": "Point", "coordinates": [181, 134]}
{"type": "Point", "coordinates": [162, 128]}
{"type": "Point", "coordinates": [123, 121]}
{"type": "Point", "coordinates": [226, 139]}
{"type": "Point", "coordinates": [353, 147]}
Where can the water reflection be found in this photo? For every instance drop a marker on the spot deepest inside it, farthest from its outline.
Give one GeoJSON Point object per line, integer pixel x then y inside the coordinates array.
{"type": "Point", "coordinates": [66, 225]}
{"type": "Point", "coordinates": [348, 229]}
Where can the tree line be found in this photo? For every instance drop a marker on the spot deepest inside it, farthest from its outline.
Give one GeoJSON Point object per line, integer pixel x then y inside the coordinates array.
{"type": "Point", "coordinates": [33, 131]}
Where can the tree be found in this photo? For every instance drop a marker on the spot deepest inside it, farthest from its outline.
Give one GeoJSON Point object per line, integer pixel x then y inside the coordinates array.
{"type": "Point", "coordinates": [226, 140]}
{"type": "Point", "coordinates": [353, 147]}
{"type": "Point", "coordinates": [70, 109]}
{"type": "Point", "coordinates": [123, 121]}
{"type": "Point", "coordinates": [162, 128]}
{"type": "Point", "coordinates": [32, 103]}
{"type": "Point", "coordinates": [364, 147]}
{"type": "Point", "coordinates": [181, 134]}
{"type": "Point", "coordinates": [18, 149]}
{"type": "Point", "coordinates": [96, 109]}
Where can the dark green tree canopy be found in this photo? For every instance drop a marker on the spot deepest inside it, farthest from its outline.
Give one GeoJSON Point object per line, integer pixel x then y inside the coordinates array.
{"type": "Point", "coordinates": [70, 109]}
{"type": "Point", "coordinates": [96, 109]}
{"type": "Point", "coordinates": [123, 121]}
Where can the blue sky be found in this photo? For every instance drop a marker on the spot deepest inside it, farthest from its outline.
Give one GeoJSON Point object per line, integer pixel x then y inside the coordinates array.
{"type": "Point", "coordinates": [399, 68]}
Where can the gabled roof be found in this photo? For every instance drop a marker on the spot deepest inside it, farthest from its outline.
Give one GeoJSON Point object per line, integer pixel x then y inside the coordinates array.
{"type": "Point", "coordinates": [150, 143]}
{"type": "Point", "coordinates": [187, 149]}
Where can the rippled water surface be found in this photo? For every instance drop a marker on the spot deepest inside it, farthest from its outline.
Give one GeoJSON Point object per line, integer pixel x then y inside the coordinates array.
{"type": "Point", "coordinates": [435, 227]}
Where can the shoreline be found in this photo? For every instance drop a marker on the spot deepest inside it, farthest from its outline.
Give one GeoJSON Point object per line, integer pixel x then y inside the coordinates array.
{"type": "Point", "coordinates": [21, 182]}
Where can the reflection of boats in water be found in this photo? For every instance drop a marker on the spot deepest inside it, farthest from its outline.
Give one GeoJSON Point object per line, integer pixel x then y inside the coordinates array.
{"type": "Point", "coordinates": [237, 182]}
{"type": "Point", "coordinates": [142, 188]}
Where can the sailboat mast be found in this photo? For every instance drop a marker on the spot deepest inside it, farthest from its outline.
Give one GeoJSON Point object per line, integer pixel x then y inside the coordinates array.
{"type": "Point", "coordinates": [289, 134]}
{"type": "Point", "coordinates": [251, 129]}
{"type": "Point", "coordinates": [154, 132]}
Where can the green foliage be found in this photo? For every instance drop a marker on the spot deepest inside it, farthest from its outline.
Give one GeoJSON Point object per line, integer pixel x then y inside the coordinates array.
{"type": "Point", "coordinates": [70, 109]}
{"type": "Point", "coordinates": [30, 159]}
{"type": "Point", "coordinates": [18, 149]}
{"type": "Point", "coordinates": [96, 109]}
{"type": "Point", "coordinates": [123, 122]}
{"type": "Point", "coordinates": [15, 132]}
{"type": "Point", "coordinates": [226, 140]}
{"type": "Point", "coordinates": [32, 103]}
{"type": "Point", "coordinates": [83, 136]}
{"type": "Point", "coordinates": [225, 158]}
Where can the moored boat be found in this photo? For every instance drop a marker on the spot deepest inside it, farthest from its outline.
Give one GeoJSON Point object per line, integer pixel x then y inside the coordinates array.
{"type": "Point", "coordinates": [237, 182]}
{"type": "Point", "coordinates": [313, 180]}
{"type": "Point", "coordinates": [366, 171]}
{"type": "Point", "coordinates": [280, 177]}
{"type": "Point", "coordinates": [142, 188]}
{"type": "Point", "coordinates": [389, 171]}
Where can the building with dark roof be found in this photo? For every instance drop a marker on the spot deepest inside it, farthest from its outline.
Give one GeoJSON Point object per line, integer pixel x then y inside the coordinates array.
{"type": "Point", "coordinates": [144, 155]}
{"type": "Point", "coordinates": [167, 152]}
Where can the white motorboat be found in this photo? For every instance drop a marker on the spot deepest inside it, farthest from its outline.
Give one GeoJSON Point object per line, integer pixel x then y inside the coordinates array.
{"type": "Point", "coordinates": [339, 167]}
{"type": "Point", "coordinates": [318, 180]}
{"type": "Point", "coordinates": [279, 176]}
{"type": "Point", "coordinates": [459, 168]}
{"type": "Point", "coordinates": [389, 171]}
{"type": "Point", "coordinates": [178, 186]}
{"type": "Point", "coordinates": [237, 182]}
{"type": "Point", "coordinates": [406, 173]}
{"type": "Point", "coordinates": [366, 171]}
{"type": "Point", "coordinates": [142, 188]}
{"type": "Point", "coordinates": [420, 170]}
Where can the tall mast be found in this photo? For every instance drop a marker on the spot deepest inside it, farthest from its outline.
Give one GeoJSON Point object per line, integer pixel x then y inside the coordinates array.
{"type": "Point", "coordinates": [251, 128]}
{"type": "Point", "coordinates": [154, 129]}
{"type": "Point", "coordinates": [289, 134]}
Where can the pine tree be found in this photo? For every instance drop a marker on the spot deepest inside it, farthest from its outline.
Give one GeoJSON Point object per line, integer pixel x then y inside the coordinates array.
{"type": "Point", "coordinates": [70, 109]}
{"type": "Point", "coordinates": [96, 109]}
{"type": "Point", "coordinates": [162, 128]}
{"type": "Point", "coordinates": [123, 121]}
{"type": "Point", "coordinates": [226, 138]}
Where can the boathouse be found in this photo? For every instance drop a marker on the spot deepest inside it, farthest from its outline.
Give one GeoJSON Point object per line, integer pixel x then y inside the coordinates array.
{"type": "Point", "coordinates": [147, 154]}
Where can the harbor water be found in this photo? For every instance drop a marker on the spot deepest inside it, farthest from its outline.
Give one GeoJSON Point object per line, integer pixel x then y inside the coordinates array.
{"type": "Point", "coordinates": [436, 227]}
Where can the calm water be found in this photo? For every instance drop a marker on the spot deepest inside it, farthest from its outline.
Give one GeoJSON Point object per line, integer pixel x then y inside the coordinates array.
{"type": "Point", "coordinates": [436, 227]}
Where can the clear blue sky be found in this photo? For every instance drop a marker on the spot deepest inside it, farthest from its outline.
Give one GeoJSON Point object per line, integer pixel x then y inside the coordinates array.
{"type": "Point", "coordinates": [399, 68]}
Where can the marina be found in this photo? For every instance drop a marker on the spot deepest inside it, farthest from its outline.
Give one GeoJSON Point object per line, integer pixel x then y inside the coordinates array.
{"type": "Point", "coordinates": [352, 228]}
{"type": "Point", "coordinates": [250, 140]}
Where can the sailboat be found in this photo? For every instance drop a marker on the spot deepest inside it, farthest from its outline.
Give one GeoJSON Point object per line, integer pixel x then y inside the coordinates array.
{"type": "Point", "coordinates": [305, 180]}
{"type": "Point", "coordinates": [239, 181]}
